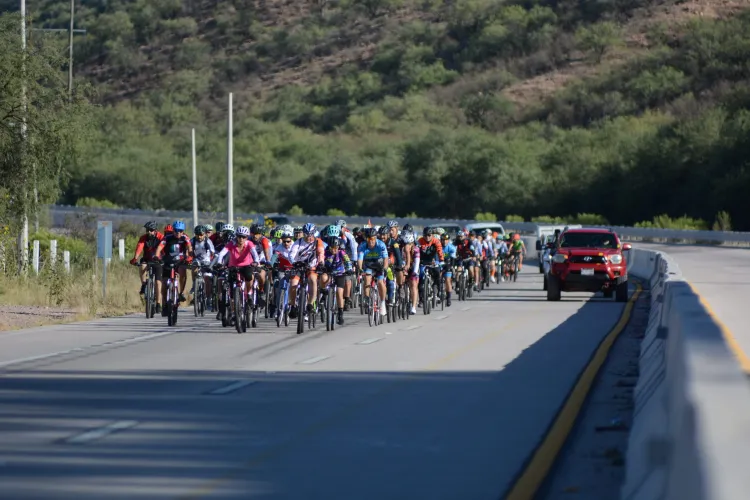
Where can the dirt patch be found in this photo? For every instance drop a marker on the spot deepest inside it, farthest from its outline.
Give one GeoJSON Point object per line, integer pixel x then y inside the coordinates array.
{"type": "Point", "coordinates": [18, 317]}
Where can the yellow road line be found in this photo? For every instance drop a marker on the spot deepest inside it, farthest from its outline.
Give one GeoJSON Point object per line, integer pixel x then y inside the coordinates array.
{"type": "Point", "coordinates": [730, 339]}
{"type": "Point", "coordinates": [211, 485]}
{"type": "Point", "coordinates": [541, 462]}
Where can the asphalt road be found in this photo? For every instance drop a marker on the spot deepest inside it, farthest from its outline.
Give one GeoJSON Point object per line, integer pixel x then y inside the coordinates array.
{"type": "Point", "coordinates": [722, 277]}
{"type": "Point", "coordinates": [445, 406]}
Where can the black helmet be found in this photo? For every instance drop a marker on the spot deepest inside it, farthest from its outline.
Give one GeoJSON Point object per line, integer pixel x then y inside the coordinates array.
{"type": "Point", "coordinates": [198, 230]}
{"type": "Point", "coordinates": [371, 232]}
{"type": "Point", "coordinates": [408, 228]}
{"type": "Point", "coordinates": [257, 229]}
{"type": "Point", "coordinates": [150, 226]}
{"type": "Point", "coordinates": [383, 231]}
{"type": "Point", "coordinates": [219, 227]}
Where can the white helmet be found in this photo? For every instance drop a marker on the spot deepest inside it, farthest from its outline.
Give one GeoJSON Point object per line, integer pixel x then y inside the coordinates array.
{"type": "Point", "coordinates": [243, 231]}
{"type": "Point", "coordinates": [408, 237]}
{"type": "Point", "coordinates": [286, 228]}
{"type": "Point", "coordinates": [228, 228]}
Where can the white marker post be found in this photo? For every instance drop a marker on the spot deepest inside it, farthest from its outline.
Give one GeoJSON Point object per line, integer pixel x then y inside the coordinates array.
{"type": "Point", "coordinates": [53, 252]}
{"type": "Point", "coordinates": [36, 256]}
{"type": "Point", "coordinates": [230, 161]}
{"type": "Point", "coordinates": [66, 261]}
{"type": "Point", "coordinates": [195, 186]}
{"type": "Point", "coordinates": [121, 245]}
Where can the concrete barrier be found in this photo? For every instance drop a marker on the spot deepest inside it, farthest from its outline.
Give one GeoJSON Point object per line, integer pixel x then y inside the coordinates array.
{"type": "Point", "coordinates": [690, 435]}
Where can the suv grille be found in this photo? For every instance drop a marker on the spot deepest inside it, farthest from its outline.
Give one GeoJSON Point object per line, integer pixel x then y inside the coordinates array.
{"type": "Point", "coordinates": [587, 259]}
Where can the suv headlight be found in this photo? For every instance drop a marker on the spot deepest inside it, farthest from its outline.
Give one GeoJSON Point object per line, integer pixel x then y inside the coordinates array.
{"type": "Point", "coordinates": [559, 258]}
{"type": "Point", "coordinates": [615, 259]}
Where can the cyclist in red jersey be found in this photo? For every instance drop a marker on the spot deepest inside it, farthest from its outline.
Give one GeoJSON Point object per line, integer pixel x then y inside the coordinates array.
{"type": "Point", "coordinates": [177, 248]}
{"type": "Point", "coordinates": [147, 245]}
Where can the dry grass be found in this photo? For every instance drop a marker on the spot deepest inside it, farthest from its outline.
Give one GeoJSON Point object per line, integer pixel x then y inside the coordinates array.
{"type": "Point", "coordinates": [55, 297]}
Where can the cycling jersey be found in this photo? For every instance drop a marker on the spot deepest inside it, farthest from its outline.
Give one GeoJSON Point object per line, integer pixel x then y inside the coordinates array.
{"type": "Point", "coordinates": [413, 261]}
{"type": "Point", "coordinates": [450, 251]}
{"type": "Point", "coordinates": [238, 257]}
{"type": "Point", "coordinates": [465, 250]}
{"type": "Point", "coordinates": [148, 245]}
{"type": "Point", "coordinates": [283, 256]}
{"type": "Point", "coordinates": [262, 247]}
{"type": "Point", "coordinates": [379, 251]}
{"type": "Point", "coordinates": [309, 253]}
{"type": "Point", "coordinates": [337, 262]}
{"type": "Point", "coordinates": [350, 244]}
{"type": "Point", "coordinates": [502, 248]}
{"type": "Point", "coordinates": [176, 249]}
{"type": "Point", "coordinates": [430, 251]}
{"type": "Point", "coordinates": [203, 251]}
{"type": "Point", "coordinates": [517, 246]}
{"type": "Point", "coordinates": [394, 252]}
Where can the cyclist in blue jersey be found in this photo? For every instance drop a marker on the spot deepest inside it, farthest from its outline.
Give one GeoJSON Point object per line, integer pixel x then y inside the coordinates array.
{"type": "Point", "coordinates": [450, 254]}
{"type": "Point", "coordinates": [372, 258]}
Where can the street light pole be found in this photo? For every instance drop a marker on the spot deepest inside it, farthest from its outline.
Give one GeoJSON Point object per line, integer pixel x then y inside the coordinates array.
{"type": "Point", "coordinates": [70, 57]}
{"type": "Point", "coordinates": [230, 164]}
{"type": "Point", "coordinates": [23, 237]}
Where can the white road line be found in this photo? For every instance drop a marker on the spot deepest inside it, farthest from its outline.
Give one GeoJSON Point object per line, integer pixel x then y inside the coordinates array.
{"type": "Point", "coordinates": [389, 333]}
{"type": "Point", "coordinates": [370, 341]}
{"type": "Point", "coordinates": [101, 432]}
{"type": "Point", "coordinates": [78, 349]}
{"type": "Point", "coordinates": [440, 317]}
{"type": "Point", "coordinates": [466, 308]}
{"type": "Point", "coordinates": [413, 327]}
{"type": "Point", "coordinates": [239, 384]}
{"type": "Point", "coordinates": [314, 360]}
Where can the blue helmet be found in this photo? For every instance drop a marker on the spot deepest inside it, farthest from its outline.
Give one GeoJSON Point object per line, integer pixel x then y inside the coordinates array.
{"type": "Point", "coordinates": [333, 231]}
{"type": "Point", "coordinates": [308, 229]}
{"type": "Point", "coordinates": [178, 225]}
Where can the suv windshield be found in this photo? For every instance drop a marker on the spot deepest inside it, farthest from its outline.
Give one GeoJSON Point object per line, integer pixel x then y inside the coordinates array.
{"type": "Point", "coordinates": [588, 240]}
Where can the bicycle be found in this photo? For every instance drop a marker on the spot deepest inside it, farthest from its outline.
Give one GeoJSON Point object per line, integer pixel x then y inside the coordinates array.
{"type": "Point", "coordinates": [329, 303]}
{"type": "Point", "coordinates": [302, 288]}
{"type": "Point", "coordinates": [239, 306]}
{"type": "Point", "coordinates": [391, 312]}
{"type": "Point", "coordinates": [373, 303]}
{"type": "Point", "coordinates": [267, 291]}
{"type": "Point", "coordinates": [172, 304]}
{"type": "Point", "coordinates": [149, 295]}
{"type": "Point", "coordinates": [223, 296]}
{"type": "Point", "coordinates": [199, 286]}
{"type": "Point", "coordinates": [281, 297]}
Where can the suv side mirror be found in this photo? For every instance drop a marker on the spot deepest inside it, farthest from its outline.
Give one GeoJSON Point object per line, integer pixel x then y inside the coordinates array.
{"type": "Point", "coordinates": [538, 245]}
{"type": "Point", "coordinates": [627, 246]}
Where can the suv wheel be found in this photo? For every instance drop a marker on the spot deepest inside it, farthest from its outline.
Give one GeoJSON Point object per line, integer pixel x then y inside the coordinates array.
{"type": "Point", "coordinates": [553, 288]}
{"type": "Point", "coordinates": [545, 283]}
{"type": "Point", "coordinates": [621, 292]}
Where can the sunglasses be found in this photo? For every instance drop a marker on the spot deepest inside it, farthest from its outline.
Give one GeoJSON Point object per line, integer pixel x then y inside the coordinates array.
{"type": "Point", "coordinates": [287, 241]}
{"type": "Point", "coordinates": [241, 236]}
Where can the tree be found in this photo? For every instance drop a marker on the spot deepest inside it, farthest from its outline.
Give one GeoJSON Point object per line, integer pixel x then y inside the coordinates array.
{"type": "Point", "coordinates": [598, 38]}
{"type": "Point", "coordinates": [41, 131]}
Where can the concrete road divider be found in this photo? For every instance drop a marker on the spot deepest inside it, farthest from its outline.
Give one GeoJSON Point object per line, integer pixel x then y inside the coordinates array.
{"type": "Point", "coordinates": [690, 437]}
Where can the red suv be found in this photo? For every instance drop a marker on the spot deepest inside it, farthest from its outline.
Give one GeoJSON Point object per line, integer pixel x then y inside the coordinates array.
{"type": "Point", "coordinates": [589, 260]}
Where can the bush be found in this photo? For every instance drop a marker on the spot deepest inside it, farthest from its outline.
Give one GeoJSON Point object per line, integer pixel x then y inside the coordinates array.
{"type": "Point", "coordinates": [513, 218]}
{"type": "Point", "coordinates": [485, 217]}
{"type": "Point", "coordinates": [589, 220]}
{"type": "Point", "coordinates": [295, 210]}
{"type": "Point", "coordinates": [665, 222]}
{"type": "Point", "coordinates": [723, 222]}
{"type": "Point", "coordinates": [335, 212]}
{"type": "Point", "coordinates": [94, 203]}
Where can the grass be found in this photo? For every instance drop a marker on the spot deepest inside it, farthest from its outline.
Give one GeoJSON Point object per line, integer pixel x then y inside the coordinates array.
{"type": "Point", "coordinates": [56, 297]}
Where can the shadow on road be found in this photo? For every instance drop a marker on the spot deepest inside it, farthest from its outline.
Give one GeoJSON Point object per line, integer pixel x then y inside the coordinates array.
{"type": "Point", "coordinates": [292, 434]}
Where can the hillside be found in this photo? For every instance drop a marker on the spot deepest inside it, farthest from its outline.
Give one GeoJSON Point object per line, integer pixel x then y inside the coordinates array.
{"type": "Point", "coordinates": [626, 108]}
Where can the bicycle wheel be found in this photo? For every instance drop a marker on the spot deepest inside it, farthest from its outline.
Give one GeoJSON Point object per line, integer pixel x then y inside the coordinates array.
{"type": "Point", "coordinates": [333, 307]}
{"type": "Point", "coordinates": [370, 306]}
{"type": "Point", "coordinates": [196, 295]}
{"type": "Point", "coordinates": [280, 302]}
{"type": "Point", "coordinates": [361, 298]}
{"type": "Point", "coordinates": [266, 295]}
{"type": "Point", "coordinates": [441, 295]}
{"type": "Point", "coordinates": [149, 298]}
{"type": "Point", "coordinates": [237, 312]}
{"type": "Point", "coordinates": [426, 287]}
{"type": "Point", "coordinates": [515, 269]}
{"type": "Point", "coordinates": [302, 304]}
{"type": "Point", "coordinates": [407, 302]}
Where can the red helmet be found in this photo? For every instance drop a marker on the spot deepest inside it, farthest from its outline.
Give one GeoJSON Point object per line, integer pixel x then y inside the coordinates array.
{"type": "Point", "coordinates": [168, 229]}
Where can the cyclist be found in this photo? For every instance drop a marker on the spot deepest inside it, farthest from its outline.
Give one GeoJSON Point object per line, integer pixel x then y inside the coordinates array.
{"type": "Point", "coordinates": [147, 245]}
{"type": "Point", "coordinates": [502, 252]}
{"type": "Point", "coordinates": [372, 258]}
{"type": "Point", "coordinates": [177, 250]}
{"type": "Point", "coordinates": [208, 229]}
{"type": "Point", "coordinates": [349, 242]}
{"type": "Point", "coordinates": [203, 253]}
{"type": "Point", "coordinates": [390, 281]}
{"type": "Point", "coordinates": [241, 254]}
{"type": "Point", "coordinates": [393, 243]}
{"type": "Point", "coordinates": [282, 259]}
{"type": "Point", "coordinates": [518, 247]}
{"type": "Point", "coordinates": [217, 235]}
{"type": "Point", "coordinates": [264, 248]}
{"type": "Point", "coordinates": [466, 252]}
{"type": "Point", "coordinates": [430, 253]}
{"type": "Point", "coordinates": [338, 265]}
{"type": "Point", "coordinates": [307, 250]}
{"type": "Point", "coordinates": [450, 255]}
{"type": "Point", "coordinates": [411, 264]}
{"type": "Point", "coordinates": [298, 233]}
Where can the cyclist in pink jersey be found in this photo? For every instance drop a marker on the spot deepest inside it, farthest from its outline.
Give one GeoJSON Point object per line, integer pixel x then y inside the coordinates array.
{"type": "Point", "coordinates": [242, 254]}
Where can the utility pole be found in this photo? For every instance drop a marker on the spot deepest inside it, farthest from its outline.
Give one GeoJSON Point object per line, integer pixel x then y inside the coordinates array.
{"type": "Point", "coordinates": [23, 237]}
{"type": "Point", "coordinates": [230, 160]}
{"type": "Point", "coordinates": [70, 54]}
{"type": "Point", "coordinates": [195, 186]}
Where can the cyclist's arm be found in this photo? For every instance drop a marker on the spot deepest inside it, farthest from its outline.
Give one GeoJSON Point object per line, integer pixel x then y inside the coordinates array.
{"type": "Point", "coordinates": [139, 247]}
{"type": "Point", "coordinates": [254, 254]}
{"type": "Point", "coordinates": [415, 268]}
{"type": "Point", "coordinates": [162, 244]}
{"type": "Point", "coordinates": [217, 258]}
{"type": "Point", "coordinates": [267, 249]}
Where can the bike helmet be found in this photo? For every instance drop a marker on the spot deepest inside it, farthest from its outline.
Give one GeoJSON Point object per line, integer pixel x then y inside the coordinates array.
{"type": "Point", "coordinates": [308, 229]}
{"type": "Point", "coordinates": [445, 236]}
{"type": "Point", "coordinates": [150, 226]}
{"type": "Point", "coordinates": [333, 241]}
{"type": "Point", "coordinates": [228, 228]}
{"type": "Point", "coordinates": [392, 223]}
{"type": "Point", "coordinates": [286, 228]}
{"type": "Point", "coordinates": [286, 234]}
{"type": "Point", "coordinates": [324, 230]}
{"type": "Point", "coordinates": [243, 231]}
{"type": "Point", "coordinates": [277, 233]}
{"type": "Point", "coordinates": [298, 229]}
{"type": "Point", "coordinates": [516, 237]}
{"type": "Point", "coordinates": [371, 232]}
{"type": "Point", "coordinates": [341, 223]}
{"type": "Point", "coordinates": [255, 229]}
{"type": "Point", "coordinates": [178, 226]}
{"type": "Point", "coordinates": [199, 230]}
{"type": "Point", "coordinates": [219, 227]}
{"type": "Point", "coordinates": [428, 231]}
{"type": "Point", "coordinates": [407, 237]}
{"type": "Point", "coordinates": [383, 231]}
{"type": "Point", "coordinates": [168, 229]}
{"type": "Point", "coordinates": [208, 228]}
{"type": "Point", "coordinates": [439, 231]}
{"type": "Point", "coordinates": [332, 231]}
{"type": "Point", "coordinates": [408, 228]}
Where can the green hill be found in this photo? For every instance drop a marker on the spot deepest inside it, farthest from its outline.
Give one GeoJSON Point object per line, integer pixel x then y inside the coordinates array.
{"type": "Point", "coordinates": [624, 108]}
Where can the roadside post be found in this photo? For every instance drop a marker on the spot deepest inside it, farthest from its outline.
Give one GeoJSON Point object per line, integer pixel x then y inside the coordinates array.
{"type": "Point", "coordinates": [104, 249]}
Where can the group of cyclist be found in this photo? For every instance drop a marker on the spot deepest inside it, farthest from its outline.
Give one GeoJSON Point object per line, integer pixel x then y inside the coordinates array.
{"type": "Point", "coordinates": [395, 256]}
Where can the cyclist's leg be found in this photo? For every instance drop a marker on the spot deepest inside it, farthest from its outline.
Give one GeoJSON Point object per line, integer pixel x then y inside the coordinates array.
{"type": "Point", "coordinates": [368, 281]}
{"type": "Point", "coordinates": [448, 273]}
{"type": "Point", "coordinates": [414, 289]}
{"type": "Point", "coordinates": [182, 271]}
{"type": "Point", "coordinates": [390, 285]}
{"type": "Point", "coordinates": [382, 291]}
{"type": "Point", "coordinates": [312, 296]}
{"type": "Point", "coordinates": [293, 293]}
{"type": "Point", "coordinates": [144, 276]}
